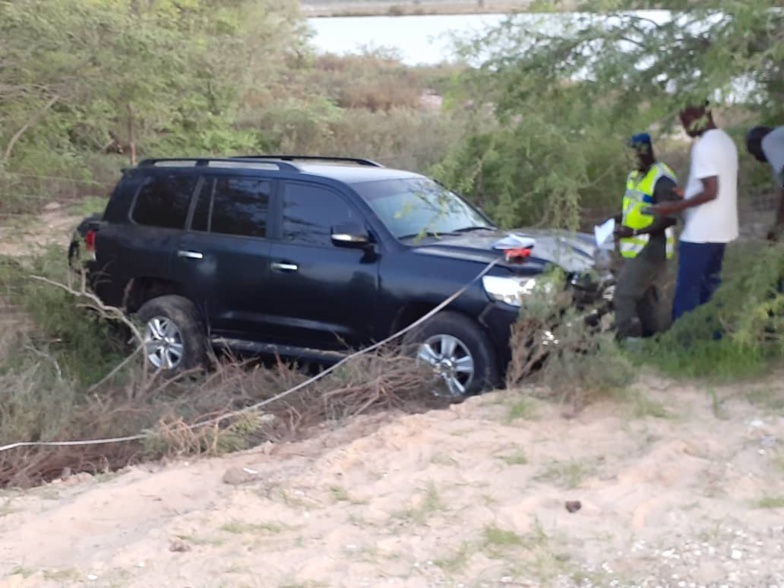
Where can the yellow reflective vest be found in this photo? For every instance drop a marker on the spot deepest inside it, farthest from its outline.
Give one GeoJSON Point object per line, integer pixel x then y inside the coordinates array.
{"type": "Point", "coordinates": [639, 194]}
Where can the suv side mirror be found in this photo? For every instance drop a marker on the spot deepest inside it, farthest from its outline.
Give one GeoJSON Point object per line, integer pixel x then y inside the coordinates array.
{"type": "Point", "coordinates": [350, 235]}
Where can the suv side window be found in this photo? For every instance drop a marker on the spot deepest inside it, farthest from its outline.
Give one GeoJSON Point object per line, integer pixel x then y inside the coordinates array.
{"type": "Point", "coordinates": [310, 211]}
{"type": "Point", "coordinates": [233, 206]}
{"type": "Point", "coordinates": [163, 200]}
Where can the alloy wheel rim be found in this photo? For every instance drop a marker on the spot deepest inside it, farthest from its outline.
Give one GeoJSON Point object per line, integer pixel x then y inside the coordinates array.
{"type": "Point", "coordinates": [451, 361]}
{"type": "Point", "coordinates": [163, 343]}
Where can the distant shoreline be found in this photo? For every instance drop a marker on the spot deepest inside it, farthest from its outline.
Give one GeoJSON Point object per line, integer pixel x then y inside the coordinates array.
{"type": "Point", "coordinates": [344, 8]}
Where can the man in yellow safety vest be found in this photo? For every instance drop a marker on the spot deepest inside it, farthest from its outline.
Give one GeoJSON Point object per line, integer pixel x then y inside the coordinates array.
{"type": "Point", "coordinates": [646, 243]}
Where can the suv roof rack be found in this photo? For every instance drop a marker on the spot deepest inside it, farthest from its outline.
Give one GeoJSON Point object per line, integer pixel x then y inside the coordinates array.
{"type": "Point", "coordinates": [221, 162]}
{"type": "Point", "coordinates": [358, 160]}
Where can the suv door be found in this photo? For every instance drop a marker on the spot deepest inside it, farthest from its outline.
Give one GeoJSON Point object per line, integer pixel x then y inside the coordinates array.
{"type": "Point", "coordinates": [140, 241]}
{"type": "Point", "coordinates": [223, 259]}
{"type": "Point", "coordinates": [321, 295]}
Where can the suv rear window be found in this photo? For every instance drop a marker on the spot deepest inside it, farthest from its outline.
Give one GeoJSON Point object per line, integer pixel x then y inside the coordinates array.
{"type": "Point", "coordinates": [233, 206]}
{"type": "Point", "coordinates": [163, 201]}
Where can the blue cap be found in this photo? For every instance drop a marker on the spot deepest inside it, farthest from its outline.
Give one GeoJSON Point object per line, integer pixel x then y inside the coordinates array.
{"type": "Point", "coordinates": [640, 140]}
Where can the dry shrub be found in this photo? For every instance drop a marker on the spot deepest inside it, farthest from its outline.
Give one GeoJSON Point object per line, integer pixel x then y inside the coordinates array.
{"type": "Point", "coordinates": [69, 377]}
{"type": "Point", "coordinates": [402, 137]}
{"type": "Point", "coordinates": [375, 81]}
{"type": "Point", "coordinates": [211, 414]}
{"type": "Point", "coordinates": [552, 343]}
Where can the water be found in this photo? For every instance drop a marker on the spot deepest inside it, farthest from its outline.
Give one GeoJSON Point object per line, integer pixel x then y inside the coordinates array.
{"type": "Point", "coordinates": [422, 40]}
{"type": "Point", "coordinates": [428, 40]}
{"type": "Point", "coordinates": [418, 40]}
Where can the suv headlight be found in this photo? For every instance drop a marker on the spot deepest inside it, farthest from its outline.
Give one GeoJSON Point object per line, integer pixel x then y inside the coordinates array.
{"type": "Point", "coordinates": [511, 290]}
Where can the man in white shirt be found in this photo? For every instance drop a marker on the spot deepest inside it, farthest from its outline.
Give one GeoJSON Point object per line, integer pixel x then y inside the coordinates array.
{"type": "Point", "coordinates": [766, 144]}
{"type": "Point", "coordinates": [710, 209]}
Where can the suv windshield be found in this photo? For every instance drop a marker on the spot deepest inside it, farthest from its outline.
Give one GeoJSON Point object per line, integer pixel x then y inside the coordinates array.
{"type": "Point", "coordinates": [419, 206]}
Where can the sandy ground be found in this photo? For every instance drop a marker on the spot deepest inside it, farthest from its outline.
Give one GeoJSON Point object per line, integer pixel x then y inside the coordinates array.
{"type": "Point", "coordinates": [27, 235]}
{"type": "Point", "coordinates": [677, 486]}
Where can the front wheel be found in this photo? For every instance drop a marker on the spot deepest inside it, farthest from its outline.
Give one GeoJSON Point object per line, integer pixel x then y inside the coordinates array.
{"type": "Point", "coordinates": [459, 352]}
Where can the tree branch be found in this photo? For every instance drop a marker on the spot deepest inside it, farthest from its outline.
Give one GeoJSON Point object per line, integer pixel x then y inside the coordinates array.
{"type": "Point", "coordinates": [27, 125]}
{"type": "Point", "coordinates": [109, 311]}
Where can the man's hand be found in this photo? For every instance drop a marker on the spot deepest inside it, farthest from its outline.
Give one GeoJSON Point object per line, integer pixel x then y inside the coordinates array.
{"type": "Point", "coordinates": [678, 191]}
{"type": "Point", "coordinates": [663, 209]}
{"type": "Point", "coordinates": [623, 232]}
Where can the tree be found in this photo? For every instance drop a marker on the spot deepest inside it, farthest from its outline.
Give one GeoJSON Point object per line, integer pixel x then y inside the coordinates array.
{"type": "Point", "coordinates": [74, 73]}
{"type": "Point", "coordinates": [567, 90]}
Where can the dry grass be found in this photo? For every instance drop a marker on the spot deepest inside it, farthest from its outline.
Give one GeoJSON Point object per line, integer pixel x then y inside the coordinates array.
{"type": "Point", "coordinates": [61, 383]}
{"type": "Point", "coordinates": [42, 405]}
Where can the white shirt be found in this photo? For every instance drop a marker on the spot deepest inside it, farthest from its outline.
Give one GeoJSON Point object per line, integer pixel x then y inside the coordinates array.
{"type": "Point", "coordinates": [773, 147]}
{"type": "Point", "coordinates": [713, 154]}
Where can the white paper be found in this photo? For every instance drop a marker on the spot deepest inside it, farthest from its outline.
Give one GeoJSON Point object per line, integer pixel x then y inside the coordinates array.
{"type": "Point", "coordinates": [604, 232]}
{"type": "Point", "coordinates": [514, 241]}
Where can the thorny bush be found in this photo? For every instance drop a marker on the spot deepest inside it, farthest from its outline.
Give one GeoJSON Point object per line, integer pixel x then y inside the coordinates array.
{"type": "Point", "coordinates": [552, 343]}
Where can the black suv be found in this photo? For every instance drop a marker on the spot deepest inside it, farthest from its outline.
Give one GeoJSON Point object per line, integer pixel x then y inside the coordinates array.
{"type": "Point", "coordinates": [310, 257]}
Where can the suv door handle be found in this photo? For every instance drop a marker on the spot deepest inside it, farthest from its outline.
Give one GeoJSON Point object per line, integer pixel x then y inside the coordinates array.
{"type": "Point", "coordinates": [190, 254]}
{"type": "Point", "coordinates": [284, 267]}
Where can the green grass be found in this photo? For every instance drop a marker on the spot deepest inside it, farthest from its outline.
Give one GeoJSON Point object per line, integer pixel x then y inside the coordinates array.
{"type": "Point", "coordinates": [566, 474]}
{"type": "Point", "coordinates": [84, 346]}
{"type": "Point", "coordinates": [772, 502]}
{"type": "Point", "coordinates": [241, 527]}
{"type": "Point", "coordinates": [642, 405]}
{"type": "Point", "coordinates": [445, 460]}
{"type": "Point", "coordinates": [200, 540]}
{"type": "Point", "coordinates": [430, 504]}
{"type": "Point", "coordinates": [433, 500]}
{"type": "Point", "coordinates": [516, 458]}
{"type": "Point", "coordinates": [521, 408]}
{"type": "Point", "coordinates": [340, 494]}
{"type": "Point", "coordinates": [498, 542]}
{"type": "Point", "coordinates": [717, 405]}
{"type": "Point", "coordinates": [61, 575]}
{"type": "Point", "coordinates": [497, 537]}
{"type": "Point", "coordinates": [23, 571]}
{"type": "Point", "coordinates": [88, 206]}
{"type": "Point", "coordinates": [769, 399]}
{"type": "Point", "coordinates": [716, 361]}
{"type": "Point", "coordinates": [456, 561]}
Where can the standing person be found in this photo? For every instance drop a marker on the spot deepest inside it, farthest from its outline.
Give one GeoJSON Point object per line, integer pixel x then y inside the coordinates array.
{"type": "Point", "coordinates": [710, 207]}
{"type": "Point", "coordinates": [646, 243]}
{"type": "Point", "coordinates": [766, 144]}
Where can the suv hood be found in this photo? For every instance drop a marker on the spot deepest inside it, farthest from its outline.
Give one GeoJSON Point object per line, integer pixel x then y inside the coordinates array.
{"type": "Point", "coordinates": [571, 251]}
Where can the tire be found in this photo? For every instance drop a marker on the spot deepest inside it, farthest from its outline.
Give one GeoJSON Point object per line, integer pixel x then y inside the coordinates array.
{"type": "Point", "coordinates": [174, 324]}
{"type": "Point", "coordinates": [467, 337]}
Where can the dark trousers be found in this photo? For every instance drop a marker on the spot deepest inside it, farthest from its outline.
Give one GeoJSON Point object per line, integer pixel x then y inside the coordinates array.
{"type": "Point", "coordinates": [699, 274]}
{"type": "Point", "coordinates": [637, 300]}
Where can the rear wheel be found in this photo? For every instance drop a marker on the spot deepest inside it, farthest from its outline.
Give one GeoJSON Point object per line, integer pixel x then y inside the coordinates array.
{"type": "Point", "coordinates": [173, 337]}
{"type": "Point", "coordinates": [459, 352]}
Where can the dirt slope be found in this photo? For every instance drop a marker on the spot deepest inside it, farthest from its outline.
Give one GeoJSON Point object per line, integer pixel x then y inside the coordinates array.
{"type": "Point", "coordinates": [472, 496]}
